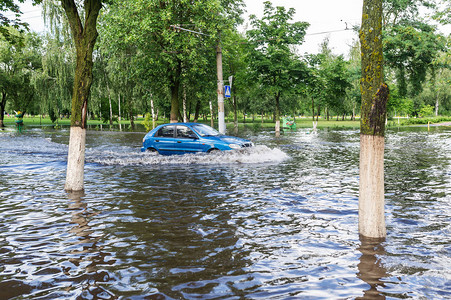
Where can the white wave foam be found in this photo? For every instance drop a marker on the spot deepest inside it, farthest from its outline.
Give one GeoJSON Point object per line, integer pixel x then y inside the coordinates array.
{"type": "Point", "coordinates": [254, 155]}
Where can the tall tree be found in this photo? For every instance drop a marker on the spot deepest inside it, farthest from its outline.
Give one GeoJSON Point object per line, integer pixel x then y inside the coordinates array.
{"type": "Point", "coordinates": [410, 48]}
{"type": "Point", "coordinates": [165, 53]}
{"type": "Point", "coordinates": [372, 123]}
{"type": "Point", "coordinates": [275, 64]}
{"type": "Point", "coordinates": [19, 64]}
{"type": "Point", "coordinates": [55, 82]}
{"type": "Point", "coordinates": [84, 33]}
{"type": "Point", "coordinates": [335, 80]}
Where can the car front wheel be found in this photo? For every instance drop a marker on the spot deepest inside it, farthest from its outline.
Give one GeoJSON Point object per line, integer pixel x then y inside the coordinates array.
{"type": "Point", "coordinates": [213, 150]}
{"type": "Point", "coordinates": [152, 150]}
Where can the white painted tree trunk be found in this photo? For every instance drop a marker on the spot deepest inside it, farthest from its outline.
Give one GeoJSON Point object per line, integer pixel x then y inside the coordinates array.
{"type": "Point", "coordinates": [76, 160]}
{"type": "Point", "coordinates": [212, 124]}
{"type": "Point", "coordinates": [185, 118]}
{"type": "Point", "coordinates": [111, 109]}
{"type": "Point", "coordinates": [119, 117]}
{"type": "Point", "coordinates": [277, 128]}
{"type": "Point", "coordinates": [371, 191]}
{"type": "Point", "coordinates": [436, 103]}
{"type": "Point", "coordinates": [152, 108]}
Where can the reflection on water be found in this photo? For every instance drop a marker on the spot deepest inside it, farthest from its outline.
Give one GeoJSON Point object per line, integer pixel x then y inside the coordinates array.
{"type": "Point", "coordinates": [84, 251]}
{"type": "Point", "coordinates": [371, 269]}
{"type": "Point", "coordinates": [278, 221]}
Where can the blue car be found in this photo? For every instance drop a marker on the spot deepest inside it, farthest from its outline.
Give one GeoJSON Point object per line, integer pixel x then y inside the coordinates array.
{"type": "Point", "coordinates": [181, 138]}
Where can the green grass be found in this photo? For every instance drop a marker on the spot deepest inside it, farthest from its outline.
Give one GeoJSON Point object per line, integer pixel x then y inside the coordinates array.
{"type": "Point", "coordinates": [257, 124]}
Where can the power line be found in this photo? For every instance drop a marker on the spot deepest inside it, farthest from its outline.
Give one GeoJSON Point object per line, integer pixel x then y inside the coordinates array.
{"type": "Point", "coordinates": [331, 31]}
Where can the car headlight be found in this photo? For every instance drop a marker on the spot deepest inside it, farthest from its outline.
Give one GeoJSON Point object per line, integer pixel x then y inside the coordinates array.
{"type": "Point", "coordinates": [235, 146]}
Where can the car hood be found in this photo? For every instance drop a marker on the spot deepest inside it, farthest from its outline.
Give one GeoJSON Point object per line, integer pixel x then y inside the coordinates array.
{"type": "Point", "coordinates": [228, 139]}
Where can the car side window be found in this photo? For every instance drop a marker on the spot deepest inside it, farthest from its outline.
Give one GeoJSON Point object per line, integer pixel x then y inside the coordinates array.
{"type": "Point", "coordinates": [166, 131]}
{"type": "Point", "coordinates": [185, 132]}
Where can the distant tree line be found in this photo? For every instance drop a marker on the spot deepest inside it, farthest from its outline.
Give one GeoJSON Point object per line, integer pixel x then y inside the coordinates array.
{"type": "Point", "coordinates": [159, 57]}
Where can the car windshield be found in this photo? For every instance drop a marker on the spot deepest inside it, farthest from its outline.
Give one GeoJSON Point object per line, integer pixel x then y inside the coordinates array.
{"type": "Point", "coordinates": [205, 130]}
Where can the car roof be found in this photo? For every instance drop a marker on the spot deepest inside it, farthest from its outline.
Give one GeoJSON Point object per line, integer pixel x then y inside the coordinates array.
{"type": "Point", "coordinates": [181, 123]}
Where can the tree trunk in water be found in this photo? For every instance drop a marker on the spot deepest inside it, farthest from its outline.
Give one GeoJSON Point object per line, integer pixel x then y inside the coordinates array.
{"type": "Point", "coordinates": [76, 159]}
{"type": "Point", "coordinates": [435, 90]}
{"type": "Point", "coordinates": [119, 115]}
{"type": "Point", "coordinates": [371, 191]}
{"type": "Point", "coordinates": [313, 110]}
{"type": "Point", "coordinates": [212, 122]}
{"type": "Point", "coordinates": [2, 109]}
{"type": "Point", "coordinates": [84, 37]}
{"type": "Point", "coordinates": [277, 115]}
{"type": "Point", "coordinates": [185, 118]}
{"type": "Point", "coordinates": [111, 110]}
{"type": "Point", "coordinates": [152, 108]}
{"type": "Point", "coordinates": [372, 123]}
{"type": "Point", "coordinates": [436, 104]}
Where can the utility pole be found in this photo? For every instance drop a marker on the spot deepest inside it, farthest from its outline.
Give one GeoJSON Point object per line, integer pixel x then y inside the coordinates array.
{"type": "Point", "coordinates": [221, 117]}
{"type": "Point", "coordinates": [220, 91]}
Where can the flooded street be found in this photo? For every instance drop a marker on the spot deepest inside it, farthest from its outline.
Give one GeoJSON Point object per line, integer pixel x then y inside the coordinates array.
{"type": "Point", "coordinates": [278, 221]}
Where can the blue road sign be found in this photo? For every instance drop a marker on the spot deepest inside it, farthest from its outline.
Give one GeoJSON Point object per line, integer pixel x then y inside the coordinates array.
{"type": "Point", "coordinates": [227, 92]}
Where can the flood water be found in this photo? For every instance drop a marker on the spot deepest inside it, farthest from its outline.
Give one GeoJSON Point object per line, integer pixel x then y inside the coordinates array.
{"type": "Point", "coordinates": [276, 222]}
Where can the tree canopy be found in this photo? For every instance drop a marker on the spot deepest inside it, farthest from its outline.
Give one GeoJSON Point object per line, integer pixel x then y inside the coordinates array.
{"type": "Point", "coordinates": [161, 54]}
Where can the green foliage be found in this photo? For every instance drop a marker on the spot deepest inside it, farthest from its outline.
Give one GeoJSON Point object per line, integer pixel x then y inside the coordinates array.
{"type": "Point", "coordinates": [19, 66]}
{"type": "Point", "coordinates": [395, 11]}
{"type": "Point", "coordinates": [330, 80]}
{"type": "Point", "coordinates": [147, 121]}
{"type": "Point", "coordinates": [140, 56]}
{"type": "Point", "coordinates": [275, 66]}
{"type": "Point", "coordinates": [158, 55]}
{"type": "Point", "coordinates": [411, 48]}
{"type": "Point", "coordinates": [426, 111]}
{"type": "Point", "coordinates": [420, 121]}
{"type": "Point", "coordinates": [443, 13]}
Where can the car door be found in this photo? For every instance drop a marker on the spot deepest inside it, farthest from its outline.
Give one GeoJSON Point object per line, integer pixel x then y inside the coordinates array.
{"type": "Point", "coordinates": [164, 140]}
{"type": "Point", "coordinates": [187, 140]}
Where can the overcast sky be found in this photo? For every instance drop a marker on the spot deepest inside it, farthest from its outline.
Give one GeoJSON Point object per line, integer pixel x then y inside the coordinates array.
{"type": "Point", "coordinates": [327, 18]}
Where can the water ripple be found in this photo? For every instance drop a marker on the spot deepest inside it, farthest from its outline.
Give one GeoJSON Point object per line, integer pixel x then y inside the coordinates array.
{"type": "Point", "coordinates": [278, 221]}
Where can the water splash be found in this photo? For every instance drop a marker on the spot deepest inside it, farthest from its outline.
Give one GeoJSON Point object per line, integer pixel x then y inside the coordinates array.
{"type": "Point", "coordinates": [255, 155]}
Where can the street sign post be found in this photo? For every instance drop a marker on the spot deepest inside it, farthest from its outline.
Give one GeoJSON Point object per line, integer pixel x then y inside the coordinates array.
{"type": "Point", "coordinates": [227, 91]}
